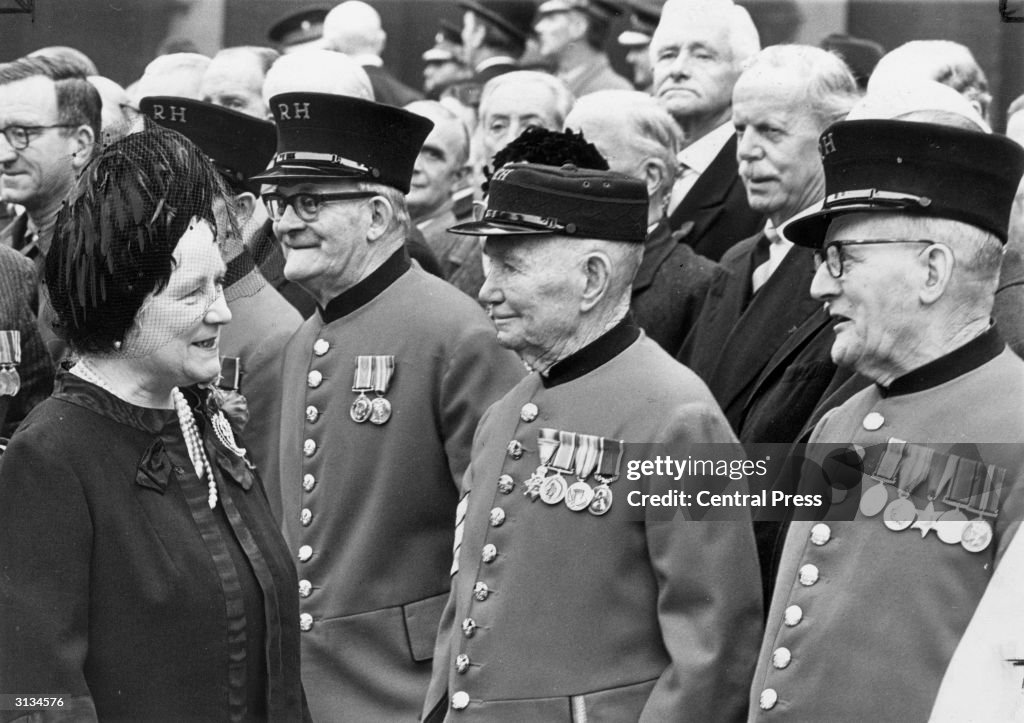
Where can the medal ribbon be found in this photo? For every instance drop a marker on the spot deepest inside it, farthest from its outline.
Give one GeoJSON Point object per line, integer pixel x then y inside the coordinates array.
{"type": "Point", "coordinates": [383, 369]}
{"type": "Point", "coordinates": [586, 455]}
{"type": "Point", "coordinates": [914, 471]}
{"type": "Point", "coordinates": [547, 443]}
{"type": "Point", "coordinates": [889, 464]}
{"type": "Point", "coordinates": [610, 460]}
{"type": "Point", "coordinates": [10, 357]}
{"type": "Point", "coordinates": [563, 461]}
{"type": "Point", "coordinates": [987, 496]}
{"type": "Point", "coordinates": [362, 382]}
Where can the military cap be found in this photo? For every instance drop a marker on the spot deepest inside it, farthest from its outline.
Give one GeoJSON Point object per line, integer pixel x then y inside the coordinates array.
{"type": "Point", "coordinates": [602, 10]}
{"type": "Point", "coordinates": [239, 145]}
{"type": "Point", "coordinates": [643, 19]}
{"type": "Point", "coordinates": [323, 137]}
{"type": "Point", "coordinates": [447, 46]}
{"type": "Point", "coordinates": [299, 27]}
{"type": "Point", "coordinates": [531, 199]}
{"type": "Point", "coordinates": [922, 169]}
{"type": "Point", "coordinates": [514, 17]}
{"type": "Point", "coordinates": [859, 54]}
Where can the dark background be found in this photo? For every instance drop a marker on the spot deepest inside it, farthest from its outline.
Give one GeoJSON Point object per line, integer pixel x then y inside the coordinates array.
{"type": "Point", "coordinates": [121, 36]}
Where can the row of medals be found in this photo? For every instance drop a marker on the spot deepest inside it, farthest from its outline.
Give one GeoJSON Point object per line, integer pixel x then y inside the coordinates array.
{"type": "Point", "coordinates": [952, 526]}
{"type": "Point", "coordinates": [376, 410]}
{"type": "Point", "coordinates": [578, 496]}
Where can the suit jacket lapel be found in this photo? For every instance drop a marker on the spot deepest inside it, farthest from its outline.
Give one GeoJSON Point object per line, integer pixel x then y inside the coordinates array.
{"type": "Point", "coordinates": [709, 192]}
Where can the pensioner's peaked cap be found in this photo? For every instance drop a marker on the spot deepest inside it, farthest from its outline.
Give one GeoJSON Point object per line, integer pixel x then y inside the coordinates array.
{"type": "Point", "coordinates": [531, 199]}
{"type": "Point", "coordinates": [324, 137]}
{"type": "Point", "coordinates": [922, 169]}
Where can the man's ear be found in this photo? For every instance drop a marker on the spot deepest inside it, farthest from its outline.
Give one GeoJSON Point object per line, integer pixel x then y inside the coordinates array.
{"type": "Point", "coordinates": [939, 271]}
{"type": "Point", "coordinates": [83, 141]}
{"type": "Point", "coordinates": [245, 206]}
{"type": "Point", "coordinates": [382, 214]}
{"type": "Point", "coordinates": [597, 268]}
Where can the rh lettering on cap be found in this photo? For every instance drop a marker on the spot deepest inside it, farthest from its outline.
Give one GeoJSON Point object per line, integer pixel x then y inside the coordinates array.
{"type": "Point", "coordinates": [294, 111]}
{"type": "Point", "coordinates": [826, 145]}
{"type": "Point", "coordinates": [177, 113]}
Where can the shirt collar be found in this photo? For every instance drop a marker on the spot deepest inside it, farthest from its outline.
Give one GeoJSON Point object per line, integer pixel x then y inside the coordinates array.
{"type": "Point", "coordinates": [978, 351]}
{"type": "Point", "coordinates": [699, 154]}
{"type": "Point", "coordinates": [595, 354]}
{"type": "Point", "coordinates": [368, 289]}
{"type": "Point", "coordinates": [496, 60]}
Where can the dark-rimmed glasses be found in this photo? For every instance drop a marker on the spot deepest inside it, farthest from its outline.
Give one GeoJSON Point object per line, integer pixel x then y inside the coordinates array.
{"type": "Point", "coordinates": [833, 252]}
{"type": "Point", "coordinates": [21, 136]}
{"type": "Point", "coordinates": [306, 205]}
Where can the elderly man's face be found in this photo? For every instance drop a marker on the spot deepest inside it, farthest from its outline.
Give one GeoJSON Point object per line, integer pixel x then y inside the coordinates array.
{"type": "Point", "coordinates": [874, 305]}
{"type": "Point", "coordinates": [640, 60]}
{"type": "Point", "coordinates": [777, 144]}
{"type": "Point", "coordinates": [511, 109]}
{"type": "Point", "coordinates": [531, 293]}
{"type": "Point", "coordinates": [437, 168]}
{"type": "Point", "coordinates": [327, 253]}
{"type": "Point", "coordinates": [39, 174]}
{"type": "Point", "coordinates": [235, 81]}
{"type": "Point", "coordinates": [693, 66]}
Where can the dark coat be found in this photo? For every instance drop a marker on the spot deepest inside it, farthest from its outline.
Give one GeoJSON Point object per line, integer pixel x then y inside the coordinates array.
{"type": "Point", "coordinates": [388, 89]}
{"type": "Point", "coordinates": [717, 206]}
{"type": "Point", "coordinates": [122, 589]}
{"type": "Point", "coordinates": [669, 288]}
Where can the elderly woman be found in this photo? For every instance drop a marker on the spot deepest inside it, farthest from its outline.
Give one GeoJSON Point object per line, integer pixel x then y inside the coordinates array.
{"type": "Point", "coordinates": [142, 576]}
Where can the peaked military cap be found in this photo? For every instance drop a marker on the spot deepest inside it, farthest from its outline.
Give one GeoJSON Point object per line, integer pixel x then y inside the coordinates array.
{"type": "Point", "coordinates": [514, 17]}
{"type": "Point", "coordinates": [447, 46]}
{"type": "Point", "coordinates": [602, 10]}
{"type": "Point", "coordinates": [643, 20]}
{"type": "Point", "coordinates": [298, 27]}
{"type": "Point", "coordinates": [239, 145]}
{"type": "Point", "coordinates": [323, 137]}
{"type": "Point", "coordinates": [531, 199]}
{"type": "Point", "coordinates": [915, 168]}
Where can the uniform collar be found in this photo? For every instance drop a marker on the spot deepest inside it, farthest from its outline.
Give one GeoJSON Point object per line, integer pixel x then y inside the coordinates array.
{"type": "Point", "coordinates": [595, 354]}
{"type": "Point", "coordinates": [368, 289]}
{"type": "Point", "coordinates": [978, 351]}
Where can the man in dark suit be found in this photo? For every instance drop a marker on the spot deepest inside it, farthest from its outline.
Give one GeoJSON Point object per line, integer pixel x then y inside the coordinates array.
{"type": "Point", "coordinates": [639, 138]}
{"type": "Point", "coordinates": [354, 28]}
{"type": "Point", "coordinates": [494, 35]}
{"type": "Point", "coordinates": [698, 52]}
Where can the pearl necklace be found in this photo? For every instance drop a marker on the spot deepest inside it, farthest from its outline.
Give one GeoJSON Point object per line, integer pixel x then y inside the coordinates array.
{"type": "Point", "coordinates": [186, 421]}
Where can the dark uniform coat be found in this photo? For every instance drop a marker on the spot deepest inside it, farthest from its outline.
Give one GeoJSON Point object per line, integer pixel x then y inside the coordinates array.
{"type": "Point", "coordinates": [572, 616]}
{"type": "Point", "coordinates": [669, 288]}
{"type": "Point", "coordinates": [369, 510]}
{"type": "Point", "coordinates": [122, 590]}
{"type": "Point", "coordinates": [460, 256]}
{"type": "Point", "coordinates": [864, 620]}
{"type": "Point", "coordinates": [388, 89]}
{"type": "Point", "coordinates": [717, 206]}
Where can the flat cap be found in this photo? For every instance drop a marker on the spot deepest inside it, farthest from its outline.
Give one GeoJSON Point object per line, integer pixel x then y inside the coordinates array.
{"type": "Point", "coordinates": [531, 199]}
{"type": "Point", "coordinates": [513, 17]}
{"type": "Point", "coordinates": [324, 137]}
{"type": "Point", "coordinates": [298, 27]}
{"type": "Point", "coordinates": [239, 145]}
{"type": "Point", "coordinates": [922, 169]}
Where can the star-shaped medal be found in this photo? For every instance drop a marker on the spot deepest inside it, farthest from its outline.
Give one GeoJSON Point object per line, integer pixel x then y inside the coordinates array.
{"type": "Point", "coordinates": [926, 519]}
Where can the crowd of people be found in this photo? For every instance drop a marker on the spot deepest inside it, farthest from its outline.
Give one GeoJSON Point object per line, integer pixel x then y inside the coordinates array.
{"type": "Point", "coordinates": [327, 398]}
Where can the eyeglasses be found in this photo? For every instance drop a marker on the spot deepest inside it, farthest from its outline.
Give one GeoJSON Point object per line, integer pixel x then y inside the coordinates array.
{"type": "Point", "coordinates": [834, 257]}
{"type": "Point", "coordinates": [306, 205]}
{"type": "Point", "coordinates": [20, 136]}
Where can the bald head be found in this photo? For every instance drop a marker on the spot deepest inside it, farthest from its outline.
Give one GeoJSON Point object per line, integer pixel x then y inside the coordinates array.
{"type": "Point", "coordinates": [116, 121]}
{"type": "Point", "coordinates": [354, 28]}
{"type": "Point", "coordinates": [317, 71]}
{"type": "Point", "coordinates": [177, 74]}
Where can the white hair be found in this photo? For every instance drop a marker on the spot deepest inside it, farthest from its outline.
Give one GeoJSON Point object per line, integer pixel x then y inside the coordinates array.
{"type": "Point", "coordinates": [317, 71]}
{"type": "Point", "coordinates": [354, 27]}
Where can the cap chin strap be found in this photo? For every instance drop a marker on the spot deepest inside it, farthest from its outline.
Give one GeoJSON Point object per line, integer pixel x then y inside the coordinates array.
{"type": "Point", "coordinates": [332, 158]}
{"type": "Point", "coordinates": [874, 196]}
{"type": "Point", "coordinates": [541, 223]}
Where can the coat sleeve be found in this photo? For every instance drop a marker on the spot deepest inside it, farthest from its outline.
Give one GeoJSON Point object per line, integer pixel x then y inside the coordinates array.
{"type": "Point", "coordinates": [45, 551]}
{"type": "Point", "coordinates": [479, 372]}
{"type": "Point", "coordinates": [709, 596]}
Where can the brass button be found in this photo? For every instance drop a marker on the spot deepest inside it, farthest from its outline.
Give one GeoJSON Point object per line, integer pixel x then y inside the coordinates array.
{"type": "Point", "coordinates": [481, 591]}
{"type": "Point", "coordinates": [873, 421]}
{"type": "Point", "coordinates": [460, 700]}
{"type": "Point", "coordinates": [820, 534]}
{"type": "Point", "coordinates": [305, 552]}
{"type": "Point", "coordinates": [308, 482]}
{"type": "Point", "coordinates": [529, 412]}
{"type": "Point", "coordinates": [793, 615]}
{"type": "Point", "coordinates": [305, 622]}
{"type": "Point", "coordinates": [808, 575]}
{"type": "Point", "coordinates": [309, 448]}
{"type": "Point", "coordinates": [468, 627]}
{"type": "Point", "coordinates": [461, 663]}
{"type": "Point", "coordinates": [314, 379]}
{"type": "Point", "coordinates": [489, 553]}
{"type": "Point", "coordinates": [781, 657]}
{"type": "Point", "coordinates": [305, 588]}
{"type": "Point", "coordinates": [321, 347]}
{"type": "Point", "coordinates": [768, 699]}
{"type": "Point", "coordinates": [497, 517]}
{"type": "Point", "coordinates": [306, 516]}
{"type": "Point", "coordinates": [515, 449]}
{"type": "Point", "coordinates": [506, 484]}
{"type": "Point", "coordinates": [312, 414]}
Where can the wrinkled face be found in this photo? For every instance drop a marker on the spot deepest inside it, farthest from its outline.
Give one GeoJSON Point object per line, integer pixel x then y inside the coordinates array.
{"type": "Point", "coordinates": [184, 319]}
{"type": "Point", "coordinates": [777, 144]}
{"type": "Point", "coordinates": [531, 293]}
{"type": "Point", "coordinates": [42, 172]}
{"type": "Point", "coordinates": [437, 168]}
{"type": "Point", "coordinates": [235, 81]}
{"type": "Point", "coordinates": [554, 32]}
{"type": "Point", "coordinates": [328, 252]}
{"type": "Point", "coordinates": [693, 67]}
{"type": "Point", "coordinates": [874, 304]}
{"type": "Point", "coordinates": [511, 109]}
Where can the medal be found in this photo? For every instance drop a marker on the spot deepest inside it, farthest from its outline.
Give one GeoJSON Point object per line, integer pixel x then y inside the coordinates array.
{"type": "Point", "coordinates": [380, 410]}
{"type": "Point", "coordinates": [899, 514]}
{"type": "Point", "coordinates": [876, 498]}
{"type": "Point", "coordinates": [10, 357]}
{"type": "Point", "coordinates": [602, 501]}
{"type": "Point", "coordinates": [976, 536]}
{"type": "Point", "coordinates": [547, 444]}
{"type": "Point", "coordinates": [916, 470]}
{"type": "Point", "coordinates": [373, 372]}
{"type": "Point", "coordinates": [579, 496]}
{"type": "Point", "coordinates": [950, 526]}
{"type": "Point", "coordinates": [361, 408]}
{"type": "Point", "coordinates": [552, 489]}
{"type": "Point", "coordinates": [532, 485]}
